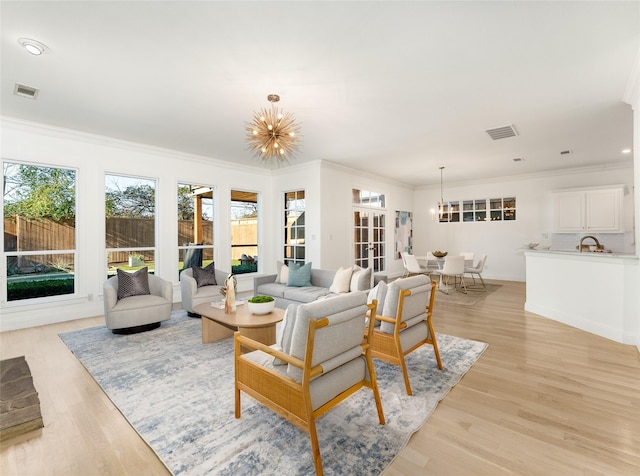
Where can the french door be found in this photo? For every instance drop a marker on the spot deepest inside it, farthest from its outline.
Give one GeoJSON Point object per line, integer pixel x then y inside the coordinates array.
{"type": "Point", "coordinates": [369, 240]}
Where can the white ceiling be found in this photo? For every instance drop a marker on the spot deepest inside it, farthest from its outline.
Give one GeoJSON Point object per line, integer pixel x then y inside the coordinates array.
{"type": "Point", "coordinates": [395, 88]}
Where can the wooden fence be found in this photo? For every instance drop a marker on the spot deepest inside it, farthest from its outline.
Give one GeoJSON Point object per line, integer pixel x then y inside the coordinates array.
{"type": "Point", "coordinates": [22, 234]}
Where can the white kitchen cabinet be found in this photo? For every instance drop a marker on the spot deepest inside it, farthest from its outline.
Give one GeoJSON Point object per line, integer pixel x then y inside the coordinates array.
{"type": "Point", "coordinates": [595, 210]}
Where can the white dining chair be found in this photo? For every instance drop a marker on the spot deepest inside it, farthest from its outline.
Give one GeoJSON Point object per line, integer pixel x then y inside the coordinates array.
{"type": "Point", "coordinates": [411, 265]}
{"type": "Point", "coordinates": [453, 268]}
{"type": "Point", "coordinates": [477, 270]}
{"type": "Point", "coordinates": [469, 256]}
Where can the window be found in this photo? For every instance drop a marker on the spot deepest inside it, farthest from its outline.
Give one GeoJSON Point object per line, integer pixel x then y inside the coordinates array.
{"type": "Point", "coordinates": [450, 212]}
{"type": "Point", "coordinates": [474, 210]}
{"type": "Point", "coordinates": [130, 209]}
{"type": "Point", "coordinates": [195, 225]}
{"type": "Point", "coordinates": [39, 205]}
{"type": "Point", "coordinates": [502, 208]}
{"type": "Point", "coordinates": [368, 199]}
{"type": "Point", "coordinates": [294, 229]}
{"type": "Point", "coordinates": [498, 209]}
{"type": "Point", "coordinates": [244, 232]}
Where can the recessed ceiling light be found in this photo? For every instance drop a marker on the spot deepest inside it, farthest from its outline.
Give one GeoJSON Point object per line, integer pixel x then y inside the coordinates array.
{"type": "Point", "coordinates": [626, 151]}
{"type": "Point", "coordinates": [32, 46]}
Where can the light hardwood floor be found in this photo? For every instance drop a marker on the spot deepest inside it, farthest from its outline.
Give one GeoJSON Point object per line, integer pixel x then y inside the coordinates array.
{"type": "Point", "coordinates": [544, 399]}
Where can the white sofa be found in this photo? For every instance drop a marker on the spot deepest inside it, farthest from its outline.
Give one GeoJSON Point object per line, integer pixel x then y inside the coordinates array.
{"type": "Point", "coordinates": [321, 281]}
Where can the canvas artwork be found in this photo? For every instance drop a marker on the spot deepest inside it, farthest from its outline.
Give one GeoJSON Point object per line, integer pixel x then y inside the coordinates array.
{"type": "Point", "coordinates": [404, 233]}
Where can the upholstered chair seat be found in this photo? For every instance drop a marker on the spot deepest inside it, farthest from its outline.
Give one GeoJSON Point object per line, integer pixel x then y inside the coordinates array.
{"type": "Point", "coordinates": [321, 360]}
{"type": "Point", "coordinates": [192, 294]}
{"type": "Point", "coordinates": [405, 323]}
{"type": "Point", "coordinates": [137, 312]}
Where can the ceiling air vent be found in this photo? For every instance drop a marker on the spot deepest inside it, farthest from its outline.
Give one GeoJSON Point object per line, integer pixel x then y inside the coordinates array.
{"type": "Point", "coordinates": [502, 132]}
{"type": "Point", "coordinates": [25, 91]}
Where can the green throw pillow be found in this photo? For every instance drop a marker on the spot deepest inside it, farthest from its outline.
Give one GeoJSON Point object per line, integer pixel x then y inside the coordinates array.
{"type": "Point", "coordinates": [299, 276]}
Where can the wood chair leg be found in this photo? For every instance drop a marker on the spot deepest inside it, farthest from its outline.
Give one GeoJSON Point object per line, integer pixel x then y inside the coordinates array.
{"type": "Point", "coordinates": [405, 374]}
{"type": "Point", "coordinates": [436, 351]}
{"type": "Point", "coordinates": [374, 389]}
{"type": "Point", "coordinates": [315, 447]}
{"type": "Point", "coordinates": [237, 403]}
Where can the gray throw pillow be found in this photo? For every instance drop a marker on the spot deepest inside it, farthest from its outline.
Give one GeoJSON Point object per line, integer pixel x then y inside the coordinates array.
{"type": "Point", "coordinates": [204, 276]}
{"type": "Point", "coordinates": [133, 284]}
{"type": "Point", "coordinates": [299, 276]}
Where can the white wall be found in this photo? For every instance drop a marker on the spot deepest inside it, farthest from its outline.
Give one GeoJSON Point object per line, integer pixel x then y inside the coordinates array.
{"type": "Point", "coordinates": [329, 217]}
{"type": "Point", "coordinates": [329, 210]}
{"type": "Point", "coordinates": [93, 157]}
{"type": "Point", "coordinates": [502, 241]}
{"type": "Point", "coordinates": [337, 213]}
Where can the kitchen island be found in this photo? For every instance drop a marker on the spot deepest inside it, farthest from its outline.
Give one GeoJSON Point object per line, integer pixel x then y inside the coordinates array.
{"type": "Point", "coordinates": [595, 292]}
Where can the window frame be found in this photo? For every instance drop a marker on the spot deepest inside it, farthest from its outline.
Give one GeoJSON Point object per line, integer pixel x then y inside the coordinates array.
{"type": "Point", "coordinates": [4, 268]}
{"type": "Point", "coordinates": [132, 250]}
{"type": "Point", "coordinates": [207, 249]}
{"type": "Point", "coordinates": [298, 250]}
{"type": "Point", "coordinates": [249, 264]}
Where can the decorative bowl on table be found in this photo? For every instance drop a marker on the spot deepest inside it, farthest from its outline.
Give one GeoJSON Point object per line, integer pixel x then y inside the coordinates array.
{"type": "Point", "coordinates": [260, 305]}
{"type": "Point", "coordinates": [439, 254]}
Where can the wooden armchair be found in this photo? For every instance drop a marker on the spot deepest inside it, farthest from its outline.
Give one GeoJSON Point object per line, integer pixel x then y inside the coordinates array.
{"type": "Point", "coordinates": [405, 323]}
{"type": "Point", "coordinates": [301, 385]}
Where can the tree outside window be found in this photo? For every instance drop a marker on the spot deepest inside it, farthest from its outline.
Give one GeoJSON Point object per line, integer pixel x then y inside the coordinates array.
{"type": "Point", "coordinates": [39, 208]}
{"type": "Point", "coordinates": [130, 207]}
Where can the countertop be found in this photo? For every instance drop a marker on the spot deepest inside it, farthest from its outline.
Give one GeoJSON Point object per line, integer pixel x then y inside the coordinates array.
{"type": "Point", "coordinates": [587, 254]}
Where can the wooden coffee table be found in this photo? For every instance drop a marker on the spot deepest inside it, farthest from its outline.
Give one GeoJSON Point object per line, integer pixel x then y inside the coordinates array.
{"type": "Point", "coordinates": [216, 325]}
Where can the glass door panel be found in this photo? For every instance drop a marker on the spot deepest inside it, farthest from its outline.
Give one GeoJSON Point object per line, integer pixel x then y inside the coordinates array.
{"type": "Point", "coordinates": [369, 239]}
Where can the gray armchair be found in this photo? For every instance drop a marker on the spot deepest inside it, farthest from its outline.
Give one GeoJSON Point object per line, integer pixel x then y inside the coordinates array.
{"type": "Point", "coordinates": [405, 323]}
{"type": "Point", "coordinates": [192, 295]}
{"type": "Point", "coordinates": [137, 313]}
{"type": "Point", "coordinates": [326, 363]}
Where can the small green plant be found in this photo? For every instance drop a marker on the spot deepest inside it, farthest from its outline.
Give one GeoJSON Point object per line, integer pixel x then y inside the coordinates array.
{"type": "Point", "coordinates": [257, 299]}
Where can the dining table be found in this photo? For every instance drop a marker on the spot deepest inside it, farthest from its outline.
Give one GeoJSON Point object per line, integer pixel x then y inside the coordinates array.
{"type": "Point", "coordinates": [440, 261]}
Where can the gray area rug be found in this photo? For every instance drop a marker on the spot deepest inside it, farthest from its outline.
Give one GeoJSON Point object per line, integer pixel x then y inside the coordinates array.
{"type": "Point", "coordinates": [178, 394]}
{"type": "Point", "coordinates": [473, 296]}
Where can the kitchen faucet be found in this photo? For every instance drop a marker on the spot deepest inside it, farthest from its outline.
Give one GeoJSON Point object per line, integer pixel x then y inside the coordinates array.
{"type": "Point", "coordinates": [598, 245]}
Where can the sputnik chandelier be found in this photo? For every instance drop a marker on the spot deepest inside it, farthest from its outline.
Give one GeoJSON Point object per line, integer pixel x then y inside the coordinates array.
{"type": "Point", "coordinates": [273, 134]}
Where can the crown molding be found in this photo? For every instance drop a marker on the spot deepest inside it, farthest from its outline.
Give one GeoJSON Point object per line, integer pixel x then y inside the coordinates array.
{"type": "Point", "coordinates": [363, 174]}
{"type": "Point", "coordinates": [618, 165]}
{"type": "Point", "coordinates": [100, 140]}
